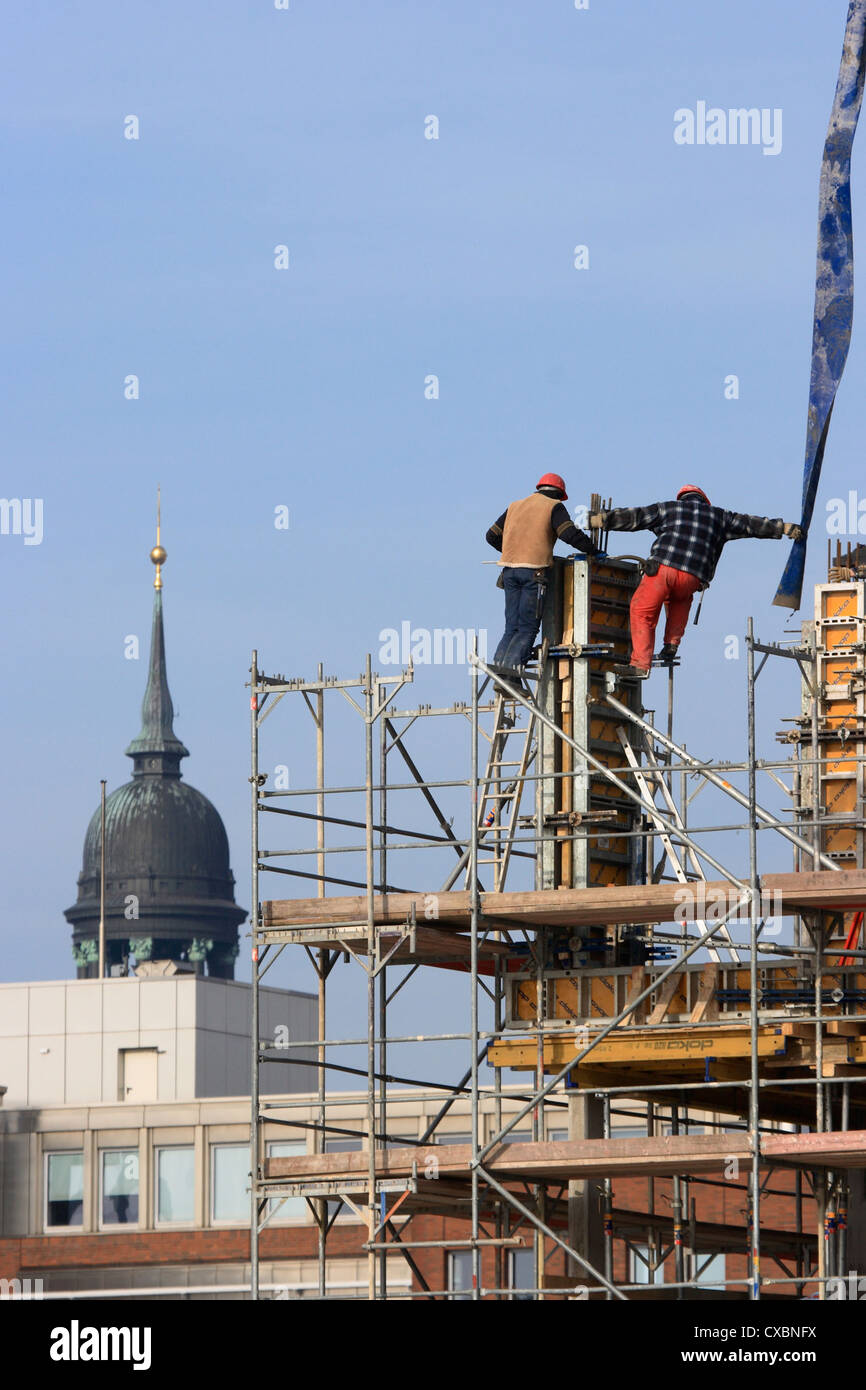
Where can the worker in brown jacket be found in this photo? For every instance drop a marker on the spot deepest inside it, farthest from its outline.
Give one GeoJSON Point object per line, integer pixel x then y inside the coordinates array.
{"type": "Point", "coordinates": [526, 533]}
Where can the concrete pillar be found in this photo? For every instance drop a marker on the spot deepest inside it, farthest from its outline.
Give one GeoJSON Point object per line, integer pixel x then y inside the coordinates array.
{"type": "Point", "coordinates": [856, 1242]}
{"type": "Point", "coordinates": [585, 1217]}
{"type": "Point", "coordinates": [549, 746]}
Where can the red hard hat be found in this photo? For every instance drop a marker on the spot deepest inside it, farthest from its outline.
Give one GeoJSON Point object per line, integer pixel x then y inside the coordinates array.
{"type": "Point", "coordinates": [692, 487]}
{"type": "Point", "coordinates": [553, 480]}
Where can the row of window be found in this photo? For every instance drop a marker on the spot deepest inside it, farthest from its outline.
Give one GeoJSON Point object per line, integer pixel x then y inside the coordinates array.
{"type": "Point", "coordinates": [174, 1183]}
{"type": "Point", "coordinates": [174, 1204]}
{"type": "Point", "coordinates": [645, 1268]}
{"type": "Point", "coordinates": [710, 1271]}
{"type": "Point", "coordinates": [520, 1274]}
{"type": "Point", "coordinates": [174, 1186]}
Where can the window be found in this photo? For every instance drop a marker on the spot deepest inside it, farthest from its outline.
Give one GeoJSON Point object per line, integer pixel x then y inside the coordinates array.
{"type": "Point", "coordinates": [175, 1184]}
{"type": "Point", "coordinates": [230, 1182]}
{"type": "Point", "coordinates": [558, 1136]}
{"type": "Point", "coordinates": [521, 1273]}
{"type": "Point", "coordinates": [460, 1274]}
{"type": "Point", "coordinates": [287, 1208]}
{"type": "Point", "coordinates": [64, 1189]}
{"type": "Point", "coordinates": [641, 1273]}
{"type": "Point", "coordinates": [710, 1271]}
{"type": "Point", "coordinates": [119, 1187]}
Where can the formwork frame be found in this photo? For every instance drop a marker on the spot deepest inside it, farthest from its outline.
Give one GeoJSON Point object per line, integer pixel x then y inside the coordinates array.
{"type": "Point", "coordinates": [506, 840]}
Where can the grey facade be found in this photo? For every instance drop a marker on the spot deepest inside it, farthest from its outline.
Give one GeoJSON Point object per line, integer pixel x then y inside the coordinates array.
{"type": "Point", "coordinates": [81, 1042]}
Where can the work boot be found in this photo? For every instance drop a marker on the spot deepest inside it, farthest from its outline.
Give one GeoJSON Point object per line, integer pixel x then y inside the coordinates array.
{"type": "Point", "coordinates": [669, 652]}
{"type": "Point", "coordinates": [635, 673]}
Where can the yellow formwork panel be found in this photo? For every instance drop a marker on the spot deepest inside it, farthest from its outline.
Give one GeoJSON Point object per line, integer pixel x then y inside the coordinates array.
{"type": "Point", "coordinates": [851, 982]}
{"type": "Point", "coordinates": [841, 770]}
{"type": "Point", "coordinates": [564, 998]}
{"type": "Point", "coordinates": [843, 635]}
{"type": "Point", "coordinates": [843, 715]}
{"type": "Point", "coordinates": [605, 843]}
{"type": "Point", "coordinates": [839, 601]}
{"type": "Point", "coordinates": [603, 630]}
{"type": "Point", "coordinates": [840, 840]}
{"type": "Point", "coordinates": [782, 977]}
{"type": "Point", "coordinates": [592, 996]}
{"type": "Point", "coordinates": [608, 759]}
{"type": "Point", "coordinates": [844, 719]}
{"type": "Point", "coordinates": [602, 875]}
{"type": "Point", "coordinates": [839, 796]}
{"type": "Point", "coordinates": [838, 670]}
{"type": "Point", "coordinates": [524, 1000]}
{"type": "Point", "coordinates": [601, 598]}
{"type": "Point", "coordinates": [660, 1049]}
{"type": "Point", "coordinates": [602, 996]}
{"type": "Point", "coordinates": [679, 1003]}
{"type": "Point", "coordinates": [604, 728]}
{"type": "Point", "coordinates": [841, 625]}
{"type": "Point", "coordinates": [611, 793]}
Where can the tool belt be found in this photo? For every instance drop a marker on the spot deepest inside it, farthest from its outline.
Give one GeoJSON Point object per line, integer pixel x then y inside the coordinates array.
{"type": "Point", "coordinates": [542, 577]}
{"type": "Point", "coordinates": [652, 566]}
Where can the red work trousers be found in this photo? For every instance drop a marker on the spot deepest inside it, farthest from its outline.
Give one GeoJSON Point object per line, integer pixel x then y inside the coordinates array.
{"type": "Point", "coordinates": [671, 589]}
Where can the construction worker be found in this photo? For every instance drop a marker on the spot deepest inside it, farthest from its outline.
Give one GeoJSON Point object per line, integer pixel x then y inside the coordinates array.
{"type": "Point", "coordinates": [526, 533]}
{"type": "Point", "coordinates": [690, 535]}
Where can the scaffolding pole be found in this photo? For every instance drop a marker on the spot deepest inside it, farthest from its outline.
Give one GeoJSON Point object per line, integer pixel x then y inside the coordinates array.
{"type": "Point", "coordinates": [505, 785]}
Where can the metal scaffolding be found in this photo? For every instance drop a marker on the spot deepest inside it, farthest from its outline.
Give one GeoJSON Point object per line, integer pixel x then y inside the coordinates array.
{"type": "Point", "coordinates": [579, 791]}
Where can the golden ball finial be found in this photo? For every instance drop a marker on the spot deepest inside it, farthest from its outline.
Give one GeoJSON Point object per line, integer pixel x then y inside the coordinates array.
{"type": "Point", "coordinates": [157, 555]}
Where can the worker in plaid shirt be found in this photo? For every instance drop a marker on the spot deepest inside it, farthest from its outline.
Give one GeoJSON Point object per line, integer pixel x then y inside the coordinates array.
{"type": "Point", "coordinates": [690, 536]}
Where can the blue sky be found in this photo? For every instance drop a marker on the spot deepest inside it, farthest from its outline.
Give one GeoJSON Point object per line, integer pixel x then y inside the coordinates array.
{"type": "Point", "coordinates": [305, 388]}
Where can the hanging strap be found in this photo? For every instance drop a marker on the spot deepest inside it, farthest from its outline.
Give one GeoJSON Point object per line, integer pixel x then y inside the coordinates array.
{"type": "Point", "coordinates": [834, 284]}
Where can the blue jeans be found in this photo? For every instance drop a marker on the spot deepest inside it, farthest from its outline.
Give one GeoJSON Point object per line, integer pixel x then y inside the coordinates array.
{"type": "Point", "coordinates": [523, 610]}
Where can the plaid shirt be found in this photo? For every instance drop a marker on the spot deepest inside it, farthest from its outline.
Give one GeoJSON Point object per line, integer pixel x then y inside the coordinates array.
{"type": "Point", "coordinates": [690, 533]}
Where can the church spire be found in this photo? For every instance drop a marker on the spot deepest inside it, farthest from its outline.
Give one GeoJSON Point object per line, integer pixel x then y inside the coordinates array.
{"type": "Point", "coordinates": [157, 750]}
{"type": "Point", "coordinates": [158, 555]}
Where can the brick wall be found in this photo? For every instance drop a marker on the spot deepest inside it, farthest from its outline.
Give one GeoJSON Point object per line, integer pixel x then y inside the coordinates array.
{"type": "Point", "coordinates": [725, 1203]}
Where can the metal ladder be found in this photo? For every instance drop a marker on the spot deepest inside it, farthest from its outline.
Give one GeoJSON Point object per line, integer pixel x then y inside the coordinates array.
{"type": "Point", "coordinates": [513, 749]}
{"type": "Point", "coordinates": [651, 782]}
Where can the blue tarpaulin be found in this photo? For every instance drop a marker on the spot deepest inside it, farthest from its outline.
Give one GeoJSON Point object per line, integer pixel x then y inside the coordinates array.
{"type": "Point", "coordinates": [834, 283]}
